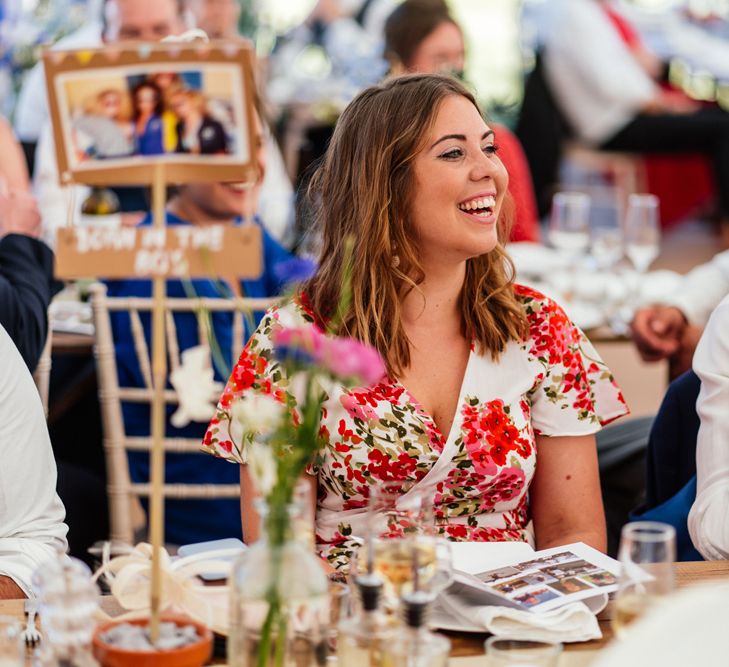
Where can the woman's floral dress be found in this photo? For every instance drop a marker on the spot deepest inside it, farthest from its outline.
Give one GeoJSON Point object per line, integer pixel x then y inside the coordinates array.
{"type": "Point", "coordinates": [478, 475]}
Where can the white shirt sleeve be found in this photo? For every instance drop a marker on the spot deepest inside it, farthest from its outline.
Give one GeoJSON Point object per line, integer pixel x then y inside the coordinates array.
{"type": "Point", "coordinates": [702, 289]}
{"type": "Point", "coordinates": [708, 520]}
{"type": "Point", "coordinates": [31, 513]}
{"type": "Point", "coordinates": [597, 81]}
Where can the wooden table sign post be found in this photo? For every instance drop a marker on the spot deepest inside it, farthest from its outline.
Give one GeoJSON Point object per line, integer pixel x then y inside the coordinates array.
{"type": "Point", "coordinates": [224, 72]}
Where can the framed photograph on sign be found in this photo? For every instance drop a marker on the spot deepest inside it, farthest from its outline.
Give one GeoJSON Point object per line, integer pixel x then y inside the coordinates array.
{"type": "Point", "coordinates": [118, 111]}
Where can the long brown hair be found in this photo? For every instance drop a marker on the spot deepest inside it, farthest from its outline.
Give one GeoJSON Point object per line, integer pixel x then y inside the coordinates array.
{"type": "Point", "coordinates": [362, 191]}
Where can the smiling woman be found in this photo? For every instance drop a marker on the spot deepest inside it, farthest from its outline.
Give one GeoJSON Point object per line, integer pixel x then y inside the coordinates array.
{"type": "Point", "coordinates": [484, 376]}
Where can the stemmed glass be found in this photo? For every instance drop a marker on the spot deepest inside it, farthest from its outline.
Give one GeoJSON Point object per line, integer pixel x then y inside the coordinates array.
{"type": "Point", "coordinates": [606, 244]}
{"type": "Point", "coordinates": [642, 232]}
{"type": "Point", "coordinates": [401, 545]}
{"type": "Point", "coordinates": [569, 233]}
{"type": "Point", "coordinates": [646, 553]}
{"type": "Point", "coordinates": [569, 223]}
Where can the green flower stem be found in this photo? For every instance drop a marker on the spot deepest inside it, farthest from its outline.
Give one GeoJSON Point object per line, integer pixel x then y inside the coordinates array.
{"type": "Point", "coordinates": [291, 465]}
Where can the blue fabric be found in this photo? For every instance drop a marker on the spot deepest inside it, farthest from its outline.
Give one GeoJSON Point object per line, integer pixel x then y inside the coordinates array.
{"type": "Point", "coordinates": [149, 142]}
{"type": "Point", "coordinates": [671, 461]}
{"type": "Point", "coordinates": [675, 512]}
{"type": "Point", "coordinates": [188, 521]}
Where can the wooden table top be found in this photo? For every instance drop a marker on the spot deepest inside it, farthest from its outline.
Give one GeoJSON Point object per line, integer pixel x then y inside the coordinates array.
{"type": "Point", "coordinates": [467, 646]}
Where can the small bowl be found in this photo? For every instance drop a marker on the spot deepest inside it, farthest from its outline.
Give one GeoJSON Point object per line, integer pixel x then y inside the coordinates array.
{"type": "Point", "coordinates": [192, 655]}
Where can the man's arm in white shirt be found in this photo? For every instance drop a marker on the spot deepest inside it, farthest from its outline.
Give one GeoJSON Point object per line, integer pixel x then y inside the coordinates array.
{"type": "Point", "coordinates": [702, 289]}
{"type": "Point", "coordinates": [31, 513]}
{"type": "Point", "coordinates": [708, 520]}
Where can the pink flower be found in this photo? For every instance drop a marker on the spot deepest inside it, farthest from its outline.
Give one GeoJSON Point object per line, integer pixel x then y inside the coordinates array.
{"type": "Point", "coordinates": [345, 358]}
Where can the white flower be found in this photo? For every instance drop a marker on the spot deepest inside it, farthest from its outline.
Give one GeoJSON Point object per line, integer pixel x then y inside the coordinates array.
{"type": "Point", "coordinates": [196, 388]}
{"type": "Point", "coordinates": [262, 466]}
{"type": "Point", "coordinates": [258, 413]}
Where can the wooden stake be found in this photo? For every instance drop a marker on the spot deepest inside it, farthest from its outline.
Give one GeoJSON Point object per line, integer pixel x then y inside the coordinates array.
{"type": "Point", "coordinates": [159, 376]}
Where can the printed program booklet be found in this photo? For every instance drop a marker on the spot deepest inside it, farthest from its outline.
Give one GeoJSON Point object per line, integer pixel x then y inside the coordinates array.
{"type": "Point", "coordinates": [540, 582]}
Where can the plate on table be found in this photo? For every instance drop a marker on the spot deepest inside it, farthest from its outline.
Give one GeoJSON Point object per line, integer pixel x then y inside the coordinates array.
{"type": "Point", "coordinates": [213, 545]}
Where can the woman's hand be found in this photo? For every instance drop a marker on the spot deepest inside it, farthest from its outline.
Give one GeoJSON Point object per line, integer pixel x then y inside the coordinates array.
{"type": "Point", "coordinates": [565, 498]}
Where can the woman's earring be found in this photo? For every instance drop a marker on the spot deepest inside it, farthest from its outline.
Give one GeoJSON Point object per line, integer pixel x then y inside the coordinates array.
{"type": "Point", "coordinates": [395, 262]}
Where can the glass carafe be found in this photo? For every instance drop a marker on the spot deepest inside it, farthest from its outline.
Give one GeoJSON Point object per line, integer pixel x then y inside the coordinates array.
{"type": "Point", "coordinates": [279, 596]}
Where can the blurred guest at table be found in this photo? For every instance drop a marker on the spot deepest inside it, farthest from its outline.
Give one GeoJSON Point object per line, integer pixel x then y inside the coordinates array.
{"type": "Point", "coordinates": [218, 18]}
{"type": "Point", "coordinates": [197, 131]}
{"type": "Point", "coordinates": [147, 107]}
{"type": "Point", "coordinates": [26, 263]}
{"type": "Point", "coordinates": [106, 126]}
{"type": "Point", "coordinates": [484, 377]}
{"type": "Point", "coordinates": [606, 83]}
{"type": "Point", "coordinates": [189, 521]}
{"type": "Point", "coordinates": [31, 514]}
{"type": "Point", "coordinates": [671, 329]}
{"type": "Point", "coordinates": [422, 36]}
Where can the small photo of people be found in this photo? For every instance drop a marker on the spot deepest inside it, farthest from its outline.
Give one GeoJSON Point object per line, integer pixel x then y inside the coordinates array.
{"type": "Point", "coordinates": [536, 597]}
{"type": "Point", "coordinates": [600, 578]}
{"type": "Point", "coordinates": [128, 112]}
{"type": "Point", "coordinates": [570, 569]}
{"type": "Point", "coordinates": [510, 586]}
{"type": "Point", "coordinates": [570, 585]}
{"type": "Point", "coordinates": [501, 573]}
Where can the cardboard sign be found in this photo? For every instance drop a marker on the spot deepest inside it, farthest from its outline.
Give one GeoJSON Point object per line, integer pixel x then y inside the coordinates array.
{"type": "Point", "coordinates": [119, 110]}
{"type": "Point", "coordinates": [228, 252]}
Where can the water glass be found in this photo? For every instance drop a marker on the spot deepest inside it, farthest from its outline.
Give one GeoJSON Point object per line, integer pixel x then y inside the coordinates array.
{"type": "Point", "coordinates": [642, 231]}
{"type": "Point", "coordinates": [646, 553]}
{"type": "Point", "coordinates": [569, 222]}
{"type": "Point", "coordinates": [505, 652]}
{"type": "Point", "coordinates": [12, 648]}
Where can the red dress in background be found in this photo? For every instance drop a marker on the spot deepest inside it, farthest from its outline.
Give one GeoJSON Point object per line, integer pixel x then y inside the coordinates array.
{"type": "Point", "coordinates": [526, 219]}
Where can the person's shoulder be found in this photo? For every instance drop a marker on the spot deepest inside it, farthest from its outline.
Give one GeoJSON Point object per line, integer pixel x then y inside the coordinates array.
{"type": "Point", "coordinates": [720, 316]}
{"type": "Point", "coordinates": [532, 299]}
{"type": "Point", "coordinates": [291, 312]}
{"type": "Point", "coordinates": [539, 308]}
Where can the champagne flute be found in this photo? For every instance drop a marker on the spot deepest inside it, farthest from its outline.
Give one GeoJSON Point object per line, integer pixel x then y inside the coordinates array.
{"type": "Point", "coordinates": [646, 554]}
{"type": "Point", "coordinates": [642, 232]}
{"type": "Point", "coordinates": [569, 223]}
{"type": "Point", "coordinates": [606, 245]}
{"type": "Point", "coordinates": [401, 545]}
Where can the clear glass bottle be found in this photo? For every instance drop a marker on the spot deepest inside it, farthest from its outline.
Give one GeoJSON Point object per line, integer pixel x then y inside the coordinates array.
{"type": "Point", "coordinates": [417, 646]}
{"type": "Point", "coordinates": [279, 600]}
{"type": "Point", "coordinates": [362, 638]}
{"type": "Point", "coordinates": [68, 600]}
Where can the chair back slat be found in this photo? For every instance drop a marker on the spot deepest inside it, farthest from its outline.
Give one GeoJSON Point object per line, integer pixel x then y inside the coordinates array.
{"type": "Point", "coordinates": [121, 491]}
{"type": "Point", "coordinates": [140, 346]}
{"type": "Point", "coordinates": [173, 349]}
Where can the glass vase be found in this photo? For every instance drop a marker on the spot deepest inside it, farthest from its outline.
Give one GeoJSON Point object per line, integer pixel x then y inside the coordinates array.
{"type": "Point", "coordinates": [279, 596]}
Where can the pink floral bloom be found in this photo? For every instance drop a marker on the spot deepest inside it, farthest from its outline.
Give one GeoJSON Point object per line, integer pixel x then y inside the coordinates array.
{"type": "Point", "coordinates": [344, 358]}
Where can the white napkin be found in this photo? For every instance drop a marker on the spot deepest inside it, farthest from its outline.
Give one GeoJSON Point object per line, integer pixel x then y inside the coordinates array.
{"type": "Point", "coordinates": [573, 622]}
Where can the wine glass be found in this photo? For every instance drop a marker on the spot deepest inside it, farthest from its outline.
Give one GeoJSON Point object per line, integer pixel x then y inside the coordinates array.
{"type": "Point", "coordinates": [642, 232]}
{"type": "Point", "coordinates": [646, 553]}
{"type": "Point", "coordinates": [569, 223]}
{"type": "Point", "coordinates": [606, 244]}
{"type": "Point", "coordinates": [401, 543]}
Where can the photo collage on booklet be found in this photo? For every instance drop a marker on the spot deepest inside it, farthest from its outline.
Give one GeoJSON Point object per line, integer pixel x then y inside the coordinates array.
{"type": "Point", "coordinates": [549, 579]}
